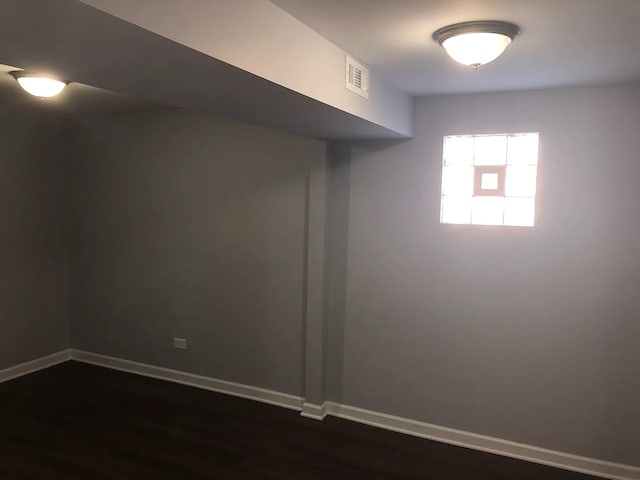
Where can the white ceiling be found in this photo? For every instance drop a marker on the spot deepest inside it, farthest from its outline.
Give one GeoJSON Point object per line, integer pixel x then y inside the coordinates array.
{"type": "Point", "coordinates": [563, 42]}
{"type": "Point", "coordinates": [91, 47]}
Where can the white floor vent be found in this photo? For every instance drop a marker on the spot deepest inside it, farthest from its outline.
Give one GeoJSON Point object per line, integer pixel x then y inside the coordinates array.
{"type": "Point", "coordinates": [357, 77]}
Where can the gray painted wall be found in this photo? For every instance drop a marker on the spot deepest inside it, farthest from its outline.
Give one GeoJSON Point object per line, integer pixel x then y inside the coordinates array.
{"type": "Point", "coordinates": [529, 335]}
{"type": "Point", "coordinates": [34, 273]}
{"type": "Point", "coordinates": [190, 226]}
{"type": "Point", "coordinates": [193, 227]}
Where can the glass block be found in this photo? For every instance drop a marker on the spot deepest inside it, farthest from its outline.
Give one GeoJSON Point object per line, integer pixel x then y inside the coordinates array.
{"type": "Point", "coordinates": [458, 150]}
{"type": "Point", "coordinates": [521, 181]}
{"type": "Point", "coordinates": [487, 211]}
{"type": "Point", "coordinates": [519, 212]}
{"type": "Point", "coordinates": [523, 149]}
{"type": "Point", "coordinates": [455, 210]}
{"type": "Point", "coordinates": [489, 181]}
{"type": "Point", "coordinates": [490, 150]}
{"type": "Point", "coordinates": [457, 181]}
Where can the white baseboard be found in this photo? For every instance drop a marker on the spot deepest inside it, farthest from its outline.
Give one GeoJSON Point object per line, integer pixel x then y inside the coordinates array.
{"type": "Point", "coordinates": [311, 410]}
{"type": "Point", "coordinates": [34, 365]}
{"type": "Point", "coordinates": [221, 386]}
{"type": "Point", "coordinates": [566, 461]}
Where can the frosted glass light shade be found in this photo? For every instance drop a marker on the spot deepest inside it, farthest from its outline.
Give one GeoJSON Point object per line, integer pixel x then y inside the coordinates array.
{"type": "Point", "coordinates": [476, 48]}
{"type": "Point", "coordinates": [39, 85]}
{"type": "Point", "coordinates": [476, 43]}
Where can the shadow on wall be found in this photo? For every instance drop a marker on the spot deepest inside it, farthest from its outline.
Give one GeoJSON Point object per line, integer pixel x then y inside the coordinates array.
{"type": "Point", "coordinates": [34, 233]}
{"type": "Point", "coordinates": [193, 227]}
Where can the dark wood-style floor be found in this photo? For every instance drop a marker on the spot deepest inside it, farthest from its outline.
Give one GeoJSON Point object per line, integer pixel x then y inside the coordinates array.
{"type": "Point", "coordinates": [76, 421]}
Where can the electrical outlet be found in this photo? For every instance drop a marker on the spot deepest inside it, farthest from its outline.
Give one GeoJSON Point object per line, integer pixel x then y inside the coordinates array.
{"type": "Point", "coordinates": [180, 343]}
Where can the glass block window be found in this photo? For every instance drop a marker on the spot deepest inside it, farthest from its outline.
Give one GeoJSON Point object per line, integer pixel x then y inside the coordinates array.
{"type": "Point", "coordinates": [489, 179]}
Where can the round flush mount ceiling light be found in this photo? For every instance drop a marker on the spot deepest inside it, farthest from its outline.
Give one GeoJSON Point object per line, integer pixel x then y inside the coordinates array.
{"type": "Point", "coordinates": [476, 43]}
{"type": "Point", "coordinates": [38, 85]}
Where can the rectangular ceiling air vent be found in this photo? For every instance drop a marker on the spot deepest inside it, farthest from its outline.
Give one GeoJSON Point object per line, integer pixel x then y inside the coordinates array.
{"type": "Point", "coordinates": [357, 77]}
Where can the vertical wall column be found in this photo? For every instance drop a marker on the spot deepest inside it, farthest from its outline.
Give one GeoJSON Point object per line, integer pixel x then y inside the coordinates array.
{"type": "Point", "coordinates": [328, 190]}
{"type": "Point", "coordinates": [337, 235]}
{"type": "Point", "coordinates": [314, 331]}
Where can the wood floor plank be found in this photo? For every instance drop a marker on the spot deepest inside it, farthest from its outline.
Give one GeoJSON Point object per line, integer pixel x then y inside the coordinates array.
{"type": "Point", "coordinates": [76, 421]}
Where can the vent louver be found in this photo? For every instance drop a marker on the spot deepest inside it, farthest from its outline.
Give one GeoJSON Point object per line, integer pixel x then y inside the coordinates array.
{"type": "Point", "coordinates": [357, 77]}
